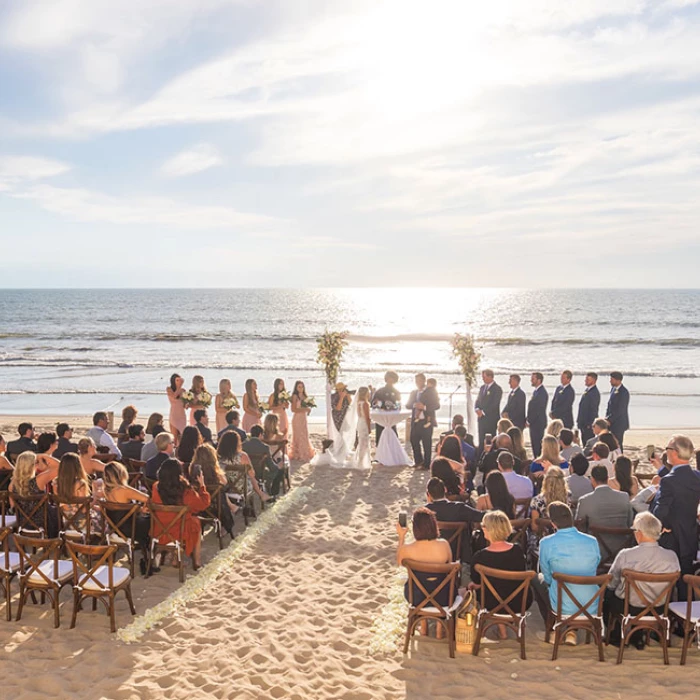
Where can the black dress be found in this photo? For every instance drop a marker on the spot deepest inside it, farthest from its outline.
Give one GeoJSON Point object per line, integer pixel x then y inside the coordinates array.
{"type": "Point", "coordinates": [511, 559]}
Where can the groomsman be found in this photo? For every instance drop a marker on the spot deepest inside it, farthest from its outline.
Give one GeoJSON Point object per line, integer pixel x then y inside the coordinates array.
{"type": "Point", "coordinates": [588, 407]}
{"type": "Point", "coordinates": [488, 406]}
{"type": "Point", "coordinates": [563, 401]}
{"type": "Point", "coordinates": [515, 406]}
{"type": "Point", "coordinates": [423, 402]}
{"type": "Point", "coordinates": [537, 413]}
{"type": "Point", "coordinates": [618, 407]}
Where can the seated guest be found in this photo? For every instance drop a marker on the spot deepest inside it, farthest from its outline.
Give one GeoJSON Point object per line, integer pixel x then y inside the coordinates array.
{"type": "Point", "coordinates": [190, 440]}
{"type": "Point", "coordinates": [101, 437]}
{"type": "Point", "coordinates": [253, 446]}
{"type": "Point", "coordinates": [5, 464]}
{"type": "Point", "coordinates": [165, 444]}
{"type": "Point", "coordinates": [550, 456]}
{"type": "Point", "coordinates": [497, 496]}
{"type": "Point", "coordinates": [613, 445]}
{"type": "Point", "coordinates": [46, 445]}
{"type": "Point", "coordinates": [149, 448]}
{"type": "Point", "coordinates": [601, 457]}
{"type": "Point", "coordinates": [129, 414]}
{"type": "Point", "coordinates": [519, 486]}
{"type": "Point", "coordinates": [600, 426]}
{"type": "Point", "coordinates": [489, 457]}
{"type": "Point", "coordinates": [442, 468]}
{"type": "Point", "coordinates": [648, 558]}
{"type": "Point", "coordinates": [428, 548]}
{"type": "Point", "coordinates": [605, 508]}
{"type": "Point", "coordinates": [73, 482]}
{"type": "Point", "coordinates": [233, 422]}
{"type": "Point", "coordinates": [451, 450]}
{"type": "Point", "coordinates": [578, 483]}
{"type": "Point", "coordinates": [26, 482]}
{"type": "Point", "coordinates": [503, 425]}
{"type": "Point", "coordinates": [154, 420]}
{"type": "Point", "coordinates": [567, 445]}
{"type": "Point", "coordinates": [172, 489]}
{"type": "Point", "coordinates": [570, 552]}
{"type": "Point", "coordinates": [500, 554]}
{"type": "Point", "coordinates": [232, 459]}
{"type": "Point", "coordinates": [554, 428]}
{"type": "Point", "coordinates": [553, 491]}
{"type": "Point", "coordinates": [456, 420]}
{"type": "Point", "coordinates": [518, 451]}
{"type": "Point", "coordinates": [87, 452]}
{"type": "Point", "coordinates": [214, 476]}
{"type": "Point", "coordinates": [25, 441]}
{"type": "Point", "coordinates": [468, 450]}
{"type": "Point", "coordinates": [275, 440]}
{"type": "Point", "coordinates": [65, 434]}
{"type": "Point", "coordinates": [201, 422]}
{"type": "Point", "coordinates": [133, 447]}
{"type": "Point", "coordinates": [624, 480]}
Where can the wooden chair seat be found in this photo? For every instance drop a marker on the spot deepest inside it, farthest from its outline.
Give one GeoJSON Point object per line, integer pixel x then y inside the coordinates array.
{"type": "Point", "coordinates": [688, 614]}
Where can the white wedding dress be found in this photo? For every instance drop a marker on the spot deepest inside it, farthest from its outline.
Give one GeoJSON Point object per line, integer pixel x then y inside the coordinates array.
{"type": "Point", "coordinates": [343, 442]}
{"type": "Point", "coordinates": [360, 459]}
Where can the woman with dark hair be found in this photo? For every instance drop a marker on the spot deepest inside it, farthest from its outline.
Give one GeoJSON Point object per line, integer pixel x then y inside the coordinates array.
{"type": "Point", "coordinates": [172, 489]}
{"type": "Point", "coordinates": [497, 496]}
{"type": "Point", "coordinates": [191, 439]}
{"type": "Point", "coordinates": [301, 445]}
{"type": "Point", "coordinates": [129, 414]}
{"type": "Point", "coordinates": [442, 468]}
{"type": "Point", "coordinates": [154, 420]}
{"type": "Point", "coordinates": [251, 405]}
{"type": "Point", "coordinates": [624, 479]}
{"type": "Point", "coordinates": [519, 451]}
{"type": "Point", "coordinates": [279, 405]}
{"type": "Point", "coordinates": [613, 445]}
{"type": "Point", "coordinates": [46, 445]}
{"type": "Point", "coordinates": [205, 456]}
{"type": "Point", "coordinates": [232, 459]}
{"type": "Point", "coordinates": [178, 418]}
{"type": "Point", "coordinates": [73, 482]}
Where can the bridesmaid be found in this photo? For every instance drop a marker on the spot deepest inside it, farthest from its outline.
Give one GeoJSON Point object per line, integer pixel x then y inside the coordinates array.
{"type": "Point", "coordinates": [279, 407]}
{"type": "Point", "coordinates": [224, 393]}
{"type": "Point", "coordinates": [301, 446]}
{"type": "Point", "coordinates": [178, 417]}
{"type": "Point", "coordinates": [198, 387]}
{"type": "Point", "coordinates": [251, 411]}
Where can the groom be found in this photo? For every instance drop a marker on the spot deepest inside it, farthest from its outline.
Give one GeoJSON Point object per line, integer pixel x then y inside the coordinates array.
{"type": "Point", "coordinates": [488, 406]}
{"type": "Point", "coordinates": [423, 402]}
{"type": "Point", "coordinates": [387, 393]}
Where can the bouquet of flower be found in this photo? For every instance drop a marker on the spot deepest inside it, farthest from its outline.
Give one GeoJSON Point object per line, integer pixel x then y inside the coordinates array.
{"type": "Point", "coordinates": [230, 404]}
{"type": "Point", "coordinates": [309, 402]}
{"type": "Point", "coordinates": [467, 355]}
{"type": "Point", "coordinates": [284, 396]}
{"type": "Point", "coordinates": [330, 352]}
{"type": "Point", "coordinates": [204, 399]}
{"type": "Point", "coordinates": [187, 397]}
{"type": "Point", "coordinates": [263, 407]}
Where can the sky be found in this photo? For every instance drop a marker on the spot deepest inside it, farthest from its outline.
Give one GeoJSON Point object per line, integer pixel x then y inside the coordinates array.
{"type": "Point", "coordinates": [235, 143]}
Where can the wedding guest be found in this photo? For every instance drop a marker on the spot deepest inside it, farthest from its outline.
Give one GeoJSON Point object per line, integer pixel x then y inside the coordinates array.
{"type": "Point", "coordinates": [503, 426]}
{"type": "Point", "coordinates": [588, 407]}
{"type": "Point", "coordinates": [549, 456]}
{"type": "Point", "coordinates": [73, 482]}
{"type": "Point", "coordinates": [24, 443]}
{"type": "Point", "coordinates": [515, 405]}
{"type": "Point", "coordinates": [488, 406]}
{"type": "Point", "coordinates": [46, 445]}
{"type": "Point", "coordinates": [676, 506]}
{"type": "Point", "coordinates": [129, 414]}
{"type": "Point", "coordinates": [554, 428]}
{"type": "Point", "coordinates": [488, 461]}
{"type": "Point", "coordinates": [601, 457]}
{"type": "Point", "coordinates": [504, 556]}
{"type": "Point", "coordinates": [133, 448]}
{"type": "Point", "coordinates": [214, 476]}
{"type": "Point", "coordinates": [65, 434]}
{"type": "Point", "coordinates": [172, 489]}
{"type": "Point", "coordinates": [255, 445]}
{"type": "Point", "coordinates": [233, 424]}
{"type": "Point", "coordinates": [607, 438]}
{"type": "Point", "coordinates": [225, 395]}
{"type": "Point", "coordinates": [537, 412]}
{"type": "Point", "coordinates": [451, 449]}
{"type": "Point", "coordinates": [468, 451]}
{"type": "Point", "coordinates": [99, 435]}
{"type": "Point", "coordinates": [279, 405]}
{"type": "Point", "coordinates": [199, 390]}
{"type": "Point", "coordinates": [201, 422]}
{"type": "Point", "coordinates": [516, 438]}
{"type": "Point", "coordinates": [563, 401]}
{"type": "Point", "coordinates": [617, 413]}
{"type": "Point", "coordinates": [423, 404]}
{"type": "Point", "coordinates": [165, 444]}
{"type": "Point", "coordinates": [519, 486]}
{"type": "Point", "coordinates": [554, 489]}
{"type": "Point", "coordinates": [178, 416]}
{"type": "Point", "coordinates": [274, 438]}
{"type": "Point", "coordinates": [577, 482]}
{"type": "Point", "coordinates": [441, 468]}
{"type": "Point", "coordinates": [568, 448]}
{"type": "Point", "coordinates": [232, 458]}
{"type": "Point", "coordinates": [624, 480]}
{"type": "Point", "coordinates": [5, 464]}
{"type": "Point", "coordinates": [600, 426]}
{"type": "Point", "coordinates": [497, 496]}
{"type": "Point", "coordinates": [154, 420]}
{"type": "Point", "coordinates": [86, 453]}
{"type": "Point", "coordinates": [251, 405]}
{"type": "Point", "coordinates": [387, 393]}
{"type": "Point", "coordinates": [190, 441]}
{"type": "Point", "coordinates": [301, 448]}
{"type": "Point", "coordinates": [25, 479]}
{"type": "Point", "coordinates": [150, 449]}
{"type": "Point", "coordinates": [457, 419]}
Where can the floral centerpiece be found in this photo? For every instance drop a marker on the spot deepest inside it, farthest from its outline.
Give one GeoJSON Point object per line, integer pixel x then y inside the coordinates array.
{"type": "Point", "coordinates": [308, 402]}
{"type": "Point", "coordinates": [387, 405]}
{"type": "Point", "coordinates": [468, 357]}
{"type": "Point", "coordinates": [204, 399]}
{"type": "Point", "coordinates": [230, 403]}
{"type": "Point", "coordinates": [187, 397]}
{"type": "Point", "coordinates": [330, 351]}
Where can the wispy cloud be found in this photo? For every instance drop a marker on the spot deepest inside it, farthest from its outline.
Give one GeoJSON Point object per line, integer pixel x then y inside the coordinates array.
{"type": "Point", "coordinates": [192, 160]}
{"type": "Point", "coordinates": [15, 170]}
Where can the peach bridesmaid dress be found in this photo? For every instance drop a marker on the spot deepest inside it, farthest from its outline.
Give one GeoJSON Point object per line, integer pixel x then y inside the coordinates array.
{"type": "Point", "coordinates": [301, 445]}
{"type": "Point", "coordinates": [178, 417]}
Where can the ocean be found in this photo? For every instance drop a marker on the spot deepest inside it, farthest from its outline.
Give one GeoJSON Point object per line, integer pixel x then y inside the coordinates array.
{"type": "Point", "coordinates": [78, 351]}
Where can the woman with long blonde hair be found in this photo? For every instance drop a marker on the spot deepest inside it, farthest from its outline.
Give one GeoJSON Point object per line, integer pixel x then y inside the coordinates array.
{"type": "Point", "coordinates": [251, 405]}
{"type": "Point", "coordinates": [360, 458]}
{"type": "Point", "coordinates": [554, 488]}
{"type": "Point", "coordinates": [198, 388]}
{"type": "Point", "coordinates": [25, 481]}
{"type": "Point", "coordinates": [549, 457]}
{"type": "Point", "coordinates": [225, 394]}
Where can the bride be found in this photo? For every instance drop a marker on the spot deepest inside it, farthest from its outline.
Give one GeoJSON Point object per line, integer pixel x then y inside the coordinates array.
{"type": "Point", "coordinates": [360, 458]}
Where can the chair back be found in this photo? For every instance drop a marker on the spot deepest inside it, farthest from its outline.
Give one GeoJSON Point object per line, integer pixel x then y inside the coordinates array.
{"type": "Point", "coordinates": [564, 583]}
{"type": "Point", "coordinates": [5, 533]}
{"type": "Point", "coordinates": [74, 516]}
{"type": "Point", "coordinates": [5, 478]}
{"type": "Point", "coordinates": [4, 507]}
{"type": "Point", "coordinates": [649, 615]}
{"type": "Point", "coordinates": [135, 469]}
{"type": "Point", "coordinates": [608, 551]}
{"type": "Point", "coordinates": [12, 457]}
{"type": "Point", "coordinates": [519, 535]}
{"type": "Point", "coordinates": [148, 483]}
{"type": "Point", "coordinates": [454, 534]}
{"type": "Point", "coordinates": [542, 527]}
{"type": "Point", "coordinates": [213, 510]}
{"type": "Point", "coordinates": [87, 573]}
{"type": "Point", "coordinates": [449, 572]}
{"type": "Point", "coordinates": [167, 522]}
{"type": "Point", "coordinates": [30, 563]}
{"type": "Point", "coordinates": [258, 462]}
{"type": "Point", "coordinates": [32, 512]}
{"type": "Point", "coordinates": [119, 519]}
{"type": "Point", "coordinates": [522, 508]}
{"type": "Point", "coordinates": [503, 605]}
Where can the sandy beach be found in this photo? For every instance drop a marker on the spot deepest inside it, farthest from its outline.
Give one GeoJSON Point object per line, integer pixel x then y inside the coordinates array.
{"type": "Point", "coordinates": [293, 619]}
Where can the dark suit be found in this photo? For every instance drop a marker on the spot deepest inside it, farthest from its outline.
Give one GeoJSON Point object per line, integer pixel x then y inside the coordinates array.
{"type": "Point", "coordinates": [422, 436]}
{"type": "Point", "coordinates": [456, 512]}
{"type": "Point", "coordinates": [537, 418]}
{"type": "Point", "coordinates": [232, 428]}
{"type": "Point", "coordinates": [386, 393]}
{"type": "Point", "coordinates": [131, 450]}
{"type": "Point", "coordinates": [588, 408]}
{"type": "Point", "coordinates": [16, 447]}
{"type": "Point", "coordinates": [272, 474]}
{"type": "Point", "coordinates": [563, 405]}
{"type": "Point", "coordinates": [676, 506]}
{"type": "Point", "coordinates": [489, 401]}
{"type": "Point", "coordinates": [150, 471]}
{"type": "Point", "coordinates": [515, 408]}
{"type": "Point", "coordinates": [64, 446]}
{"type": "Point", "coordinates": [205, 433]}
{"type": "Point", "coordinates": [618, 412]}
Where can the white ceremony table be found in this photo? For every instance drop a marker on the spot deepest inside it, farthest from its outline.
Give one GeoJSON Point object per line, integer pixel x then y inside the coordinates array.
{"type": "Point", "coordinates": [389, 450]}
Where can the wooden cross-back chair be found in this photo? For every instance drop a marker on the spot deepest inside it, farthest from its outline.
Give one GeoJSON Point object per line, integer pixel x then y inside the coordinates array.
{"type": "Point", "coordinates": [522, 508]}
{"type": "Point", "coordinates": [5, 478]}
{"type": "Point", "coordinates": [42, 571]}
{"type": "Point", "coordinates": [98, 581]}
{"type": "Point", "coordinates": [582, 618]}
{"type": "Point", "coordinates": [453, 532]}
{"type": "Point", "coordinates": [503, 613]}
{"type": "Point", "coordinates": [167, 533]}
{"type": "Point", "coordinates": [237, 476]}
{"type": "Point", "coordinates": [135, 470]}
{"type": "Point", "coordinates": [648, 618]}
{"type": "Point", "coordinates": [278, 454]}
{"type": "Point", "coordinates": [74, 522]}
{"type": "Point", "coordinates": [688, 613]}
{"type": "Point", "coordinates": [519, 535]}
{"type": "Point", "coordinates": [258, 463]}
{"type": "Point", "coordinates": [7, 519]}
{"type": "Point", "coordinates": [148, 483]}
{"type": "Point", "coordinates": [212, 514]}
{"type": "Point", "coordinates": [119, 528]}
{"type": "Point", "coordinates": [9, 567]}
{"type": "Point", "coordinates": [608, 552]}
{"type": "Point", "coordinates": [430, 608]}
{"type": "Point", "coordinates": [32, 514]}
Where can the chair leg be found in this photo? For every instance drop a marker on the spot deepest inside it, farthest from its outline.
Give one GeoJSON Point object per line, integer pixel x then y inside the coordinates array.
{"type": "Point", "coordinates": [76, 605]}
{"type": "Point", "coordinates": [521, 635]}
{"type": "Point", "coordinates": [56, 611]}
{"type": "Point", "coordinates": [451, 636]}
{"type": "Point", "coordinates": [94, 603]}
{"type": "Point", "coordinates": [112, 613]}
{"type": "Point", "coordinates": [127, 590]}
{"type": "Point", "coordinates": [8, 598]}
{"type": "Point", "coordinates": [664, 645]}
{"type": "Point", "coordinates": [599, 641]}
{"type": "Point", "coordinates": [22, 597]}
{"type": "Point", "coordinates": [686, 644]}
{"type": "Point", "coordinates": [407, 638]}
{"type": "Point", "coordinates": [623, 643]}
{"type": "Point", "coordinates": [477, 641]}
{"type": "Point", "coordinates": [558, 633]}
{"type": "Point", "coordinates": [182, 567]}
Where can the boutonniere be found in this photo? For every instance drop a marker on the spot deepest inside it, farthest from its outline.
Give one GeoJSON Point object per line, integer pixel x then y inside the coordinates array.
{"type": "Point", "coordinates": [617, 388]}
{"type": "Point", "coordinates": [488, 391]}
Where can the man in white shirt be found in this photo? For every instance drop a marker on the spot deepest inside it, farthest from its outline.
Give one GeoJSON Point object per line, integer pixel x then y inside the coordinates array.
{"type": "Point", "coordinates": [519, 486]}
{"type": "Point", "coordinates": [601, 456]}
{"type": "Point", "coordinates": [100, 436]}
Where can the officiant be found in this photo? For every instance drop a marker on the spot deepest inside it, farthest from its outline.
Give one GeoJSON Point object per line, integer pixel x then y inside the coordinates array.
{"type": "Point", "coordinates": [387, 393]}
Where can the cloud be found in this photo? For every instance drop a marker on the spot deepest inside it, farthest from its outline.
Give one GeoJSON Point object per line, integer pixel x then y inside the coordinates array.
{"type": "Point", "coordinates": [15, 170]}
{"type": "Point", "coordinates": [192, 160]}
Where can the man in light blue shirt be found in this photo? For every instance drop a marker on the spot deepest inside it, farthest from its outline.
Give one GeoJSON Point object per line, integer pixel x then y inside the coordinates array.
{"type": "Point", "coordinates": [567, 551]}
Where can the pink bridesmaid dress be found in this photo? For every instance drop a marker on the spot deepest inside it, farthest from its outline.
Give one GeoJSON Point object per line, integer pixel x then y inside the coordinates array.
{"type": "Point", "coordinates": [301, 445]}
{"type": "Point", "coordinates": [281, 413]}
{"type": "Point", "coordinates": [249, 421]}
{"type": "Point", "coordinates": [178, 417]}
